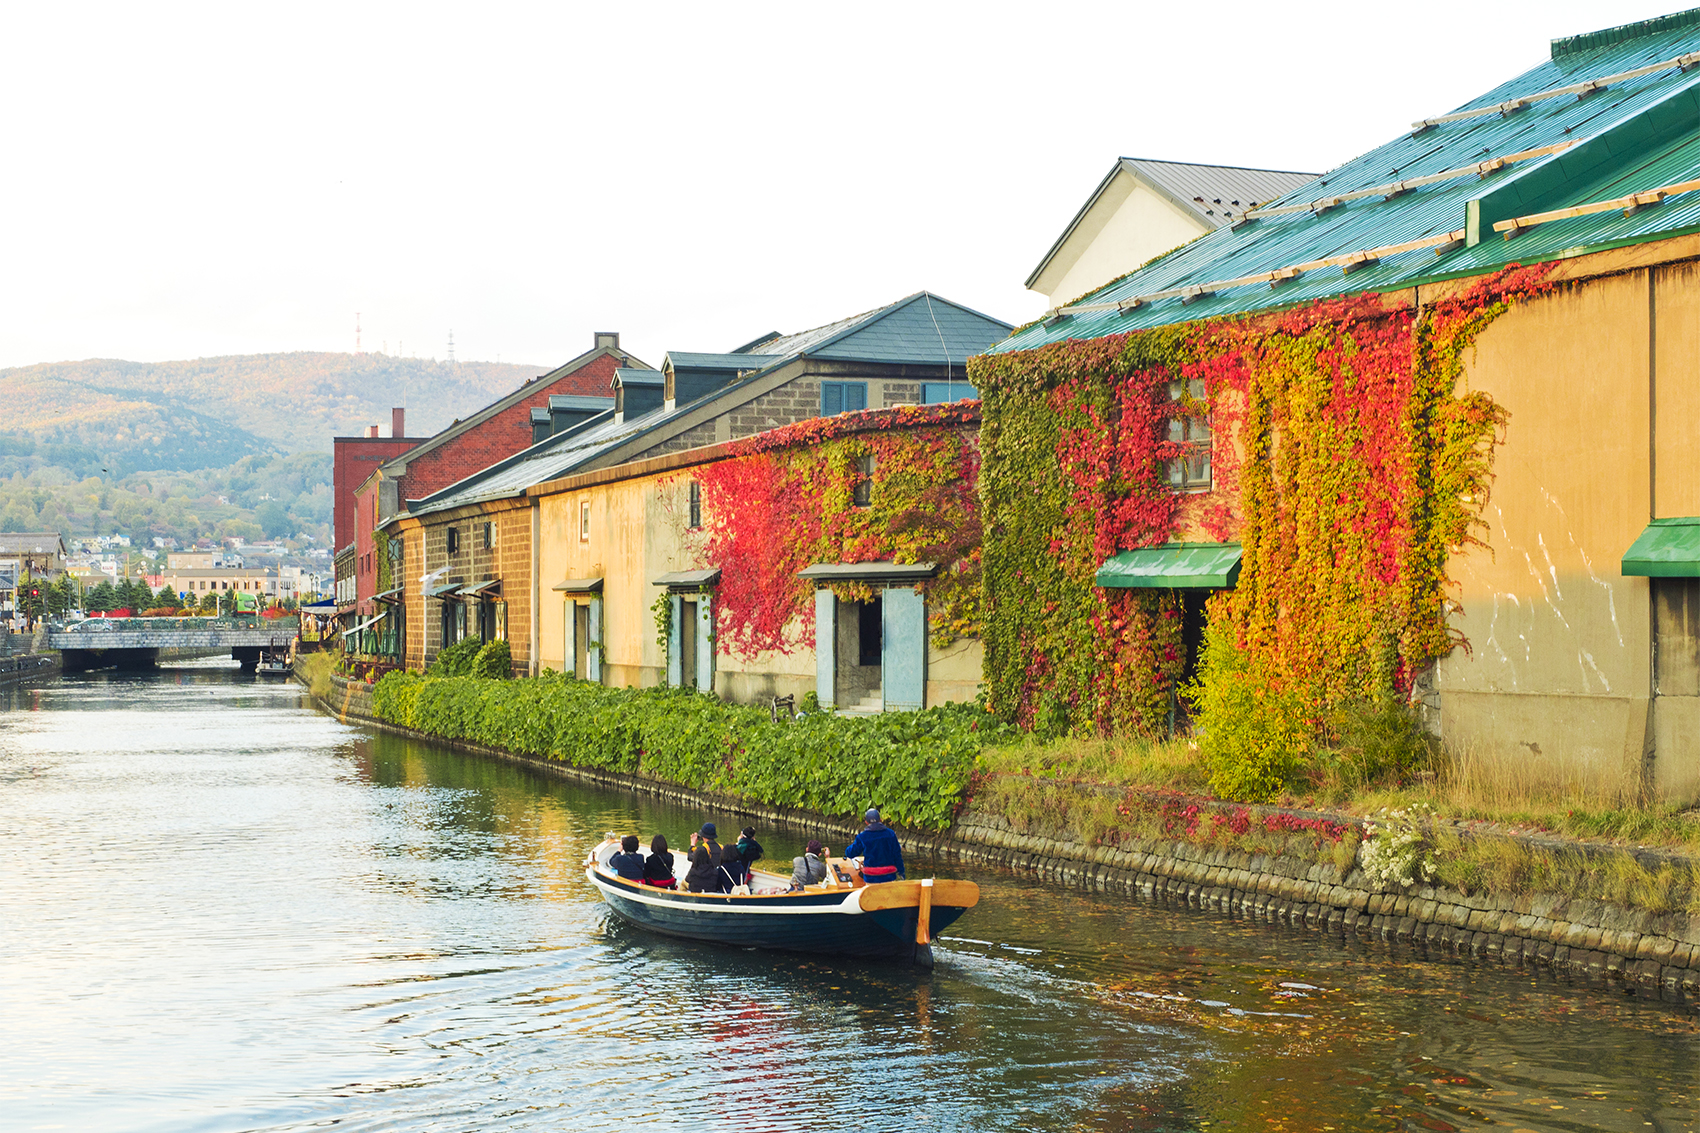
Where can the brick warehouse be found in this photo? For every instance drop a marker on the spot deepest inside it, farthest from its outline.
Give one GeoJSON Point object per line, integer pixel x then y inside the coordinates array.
{"type": "Point", "coordinates": [497, 431]}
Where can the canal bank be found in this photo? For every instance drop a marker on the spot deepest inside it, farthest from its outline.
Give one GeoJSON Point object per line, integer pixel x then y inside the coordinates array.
{"type": "Point", "coordinates": [1582, 939]}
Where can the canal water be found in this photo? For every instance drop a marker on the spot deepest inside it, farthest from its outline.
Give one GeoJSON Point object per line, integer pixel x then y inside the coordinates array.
{"type": "Point", "coordinates": [220, 910]}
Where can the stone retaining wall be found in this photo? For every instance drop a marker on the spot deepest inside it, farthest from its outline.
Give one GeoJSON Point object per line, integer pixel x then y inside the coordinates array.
{"type": "Point", "coordinates": [1575, 938]}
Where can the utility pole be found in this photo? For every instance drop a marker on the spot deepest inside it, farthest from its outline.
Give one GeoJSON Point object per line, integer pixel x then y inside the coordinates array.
{"type": "Point", "coordinates": [451, 346]}
{"type": "Point", "coordinates": [357, 349]}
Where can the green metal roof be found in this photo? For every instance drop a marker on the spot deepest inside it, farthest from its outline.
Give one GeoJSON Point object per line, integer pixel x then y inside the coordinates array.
{"type": "Point", "coordinates": [1668, 548]}
{"type": "Point", "coordinates": [1632, 135]}
{"type": "Point", "coordinates": [1208, 566]}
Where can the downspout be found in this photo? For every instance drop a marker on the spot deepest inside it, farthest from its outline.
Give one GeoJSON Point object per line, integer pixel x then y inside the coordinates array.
{"type": "Point", "coordinates": [536, 590]}
{"type": "Point", "coordinates": [1649, 752]}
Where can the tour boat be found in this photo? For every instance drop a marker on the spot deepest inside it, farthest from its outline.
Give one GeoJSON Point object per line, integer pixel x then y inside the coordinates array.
{"type": "Point", "coordinates": [842, 916]}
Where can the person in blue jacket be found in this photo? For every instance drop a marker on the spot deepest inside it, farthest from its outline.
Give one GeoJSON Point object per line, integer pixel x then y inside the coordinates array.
{"type": "Point", "coordinates": [876, 845]}
{"type": "Point", "coordinates": [628, 863]}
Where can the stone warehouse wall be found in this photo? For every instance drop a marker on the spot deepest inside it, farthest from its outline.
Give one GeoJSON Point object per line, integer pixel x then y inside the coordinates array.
{"type": "Point", "coordinates": [1575, 938]}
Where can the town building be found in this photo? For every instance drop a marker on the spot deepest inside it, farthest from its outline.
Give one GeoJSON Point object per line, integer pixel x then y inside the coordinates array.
{"type": "Point", "coordinates": [273, 584]}
{"type": "Point", "coordinates": [1143, 208]}
{"type": "Point", "coordinates": [1450, 385]}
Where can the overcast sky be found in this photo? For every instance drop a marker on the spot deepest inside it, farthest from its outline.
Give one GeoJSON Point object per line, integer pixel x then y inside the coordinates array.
{"type": "Point", "coordinates": [181, 182]}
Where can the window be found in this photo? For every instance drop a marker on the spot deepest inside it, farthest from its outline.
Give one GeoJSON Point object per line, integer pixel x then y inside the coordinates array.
{"type": "Point", "coordinates": [842, 397]}
{"type": "Point", "coordinates": [452, 540]}
{"type": "Point", "coordinates": [696, 506]}
{"type": "Point", "coordinates": [937, 393]}
{"type": "Point", "coordinates": [584, 521]}
{"type": "Point", "coordinates": [862, 495]}
{"type": "Point", "coordinates": [1190, 426]}
{"type": "Point", "coordinates": [489, 536]}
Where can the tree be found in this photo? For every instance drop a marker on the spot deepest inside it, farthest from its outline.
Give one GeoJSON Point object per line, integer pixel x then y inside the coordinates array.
{"type": "Point", "coordinates": [209, 602]}
{"type": "Point", "coordinates": [101, 598]}
{"type": "Point", "coordinates": [167, 598]}
{"type": "Point", "coordinates": [274, 519]}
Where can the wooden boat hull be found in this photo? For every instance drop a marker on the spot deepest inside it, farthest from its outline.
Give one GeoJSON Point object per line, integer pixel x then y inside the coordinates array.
{"type": "Point", "coordinates": [823, 921]}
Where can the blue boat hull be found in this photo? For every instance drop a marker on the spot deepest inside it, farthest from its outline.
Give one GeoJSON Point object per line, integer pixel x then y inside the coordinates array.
{"type": "Point", "coordinates": [828, 923]}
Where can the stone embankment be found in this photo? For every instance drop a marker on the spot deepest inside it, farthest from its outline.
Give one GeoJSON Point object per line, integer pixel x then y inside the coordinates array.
{"type": "Point", "coordinates": [1576, 938]}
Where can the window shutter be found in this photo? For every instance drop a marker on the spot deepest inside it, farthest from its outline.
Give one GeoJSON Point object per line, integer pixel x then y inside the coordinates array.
{"type": "Point", "coordinates": [855, 396]}
{"type": "Point", "coordinates": [831, 398]}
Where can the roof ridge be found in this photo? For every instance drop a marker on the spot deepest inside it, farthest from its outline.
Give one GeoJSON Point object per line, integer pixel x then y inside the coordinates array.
{"type": "Point", "coordinates": [1217, 165]}
{"type": "Point", "coordinates": [1622, 33]}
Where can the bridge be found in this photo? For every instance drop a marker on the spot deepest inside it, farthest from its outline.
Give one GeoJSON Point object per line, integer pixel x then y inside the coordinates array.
{"type": "Point", "coordinates": [134, 643]}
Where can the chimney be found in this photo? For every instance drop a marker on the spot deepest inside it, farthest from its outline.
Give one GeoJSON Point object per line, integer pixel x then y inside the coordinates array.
{"type": "Point", "coordinates": [371, 430]}
{"type": "Point", "coordinates": [398, 422]}
{"type": "Point", "coordinates": [607, 340]}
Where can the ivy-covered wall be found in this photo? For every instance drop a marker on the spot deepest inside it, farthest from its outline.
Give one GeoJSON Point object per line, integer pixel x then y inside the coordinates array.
{"type": "Point", "coordinates": [806, 493]}
{"type": "Point", "coordinates": [1348, 460]}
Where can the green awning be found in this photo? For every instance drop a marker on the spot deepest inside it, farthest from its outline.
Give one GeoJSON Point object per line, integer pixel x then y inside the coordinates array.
{"type": "Point", "coordinates": [1212, 566]}
{"type": "Point", "coordinates": [1669, 548]}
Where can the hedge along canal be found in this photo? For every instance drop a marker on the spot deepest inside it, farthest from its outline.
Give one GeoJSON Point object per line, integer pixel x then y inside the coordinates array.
{"type": "Point", "coordinates": [1300, 870]}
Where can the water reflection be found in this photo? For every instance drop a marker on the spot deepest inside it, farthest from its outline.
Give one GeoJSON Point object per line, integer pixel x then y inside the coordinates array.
{"type": "Point", "coordinates": [226, 912]}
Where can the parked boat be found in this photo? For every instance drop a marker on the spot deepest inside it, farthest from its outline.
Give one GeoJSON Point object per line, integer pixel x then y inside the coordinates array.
{"type": "Point", "coordinates": [274, 659]}
{"type": "Point", "coordinates": [844, 916]}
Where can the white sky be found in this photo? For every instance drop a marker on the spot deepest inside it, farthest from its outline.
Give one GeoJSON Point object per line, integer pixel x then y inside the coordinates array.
{"type": "Point", "coordinates": [188, 181]}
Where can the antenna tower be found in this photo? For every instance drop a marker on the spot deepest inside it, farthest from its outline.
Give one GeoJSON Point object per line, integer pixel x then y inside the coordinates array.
{"type": "Point", "coordinates": [451, 345]}
{"type": "Point", "coordinates": [357, 349]}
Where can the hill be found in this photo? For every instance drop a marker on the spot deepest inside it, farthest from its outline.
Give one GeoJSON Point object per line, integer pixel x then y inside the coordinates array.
{"type": "Point", "coordinates": [212, 447]}
{"type": "Point", "coordinates": [210, 412]}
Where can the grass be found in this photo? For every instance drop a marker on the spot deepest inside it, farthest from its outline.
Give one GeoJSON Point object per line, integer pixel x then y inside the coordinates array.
{"type": "Point", "coordinates": [317, 669]}
{"type": "Point", "coordinates": [1378, 762]}
{"type": "Point", "coordinates": [1171, 765]}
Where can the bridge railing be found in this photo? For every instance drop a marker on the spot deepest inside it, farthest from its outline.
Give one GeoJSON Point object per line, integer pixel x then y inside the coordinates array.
{"type": "Point", "coordinates": [280, 627]}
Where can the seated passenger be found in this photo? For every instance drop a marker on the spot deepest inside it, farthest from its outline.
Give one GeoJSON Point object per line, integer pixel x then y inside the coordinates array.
{"type": "Point", "coordinates": [733, 869]}
{"type": "Point", "coordinates": [810, 869]}
{"type": "Point", "coordinates": [704, 873]}
{"type": "Point", "coordinates": [658, 867]}
{"type": "Point", "coordinates": [628, 863]}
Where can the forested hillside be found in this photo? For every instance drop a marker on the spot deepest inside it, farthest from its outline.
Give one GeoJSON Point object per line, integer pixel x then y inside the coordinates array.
{"type": "Point", "coordinates": [208, 412]}
{"type": "Point", "coordinates": [211, 447]}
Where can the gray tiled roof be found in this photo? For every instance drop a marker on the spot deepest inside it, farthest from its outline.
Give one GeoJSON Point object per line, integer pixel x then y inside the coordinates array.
{"type": "Point", "coordinates": [1216, 194]}
{"type": "Point", "coordinates": [687, 360]}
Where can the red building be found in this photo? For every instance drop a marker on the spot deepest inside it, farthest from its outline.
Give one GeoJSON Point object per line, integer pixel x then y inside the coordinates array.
{"type": "Point", "coordinates": [565, 396]}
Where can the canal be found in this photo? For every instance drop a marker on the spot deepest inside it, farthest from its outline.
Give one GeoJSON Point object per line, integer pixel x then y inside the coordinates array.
{"type": "Point", "coordinates": [220, 910]}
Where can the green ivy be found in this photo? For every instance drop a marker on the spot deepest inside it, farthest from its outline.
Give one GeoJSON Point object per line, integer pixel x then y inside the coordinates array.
{"type": "Point", "coordinates": [915, 766]}
{"type": "Point", "coordinates": [662, 609]}
{"type": "Point", "coordinates": [456, 660]}
{"type": "Point", "coordinates": [493, 662]}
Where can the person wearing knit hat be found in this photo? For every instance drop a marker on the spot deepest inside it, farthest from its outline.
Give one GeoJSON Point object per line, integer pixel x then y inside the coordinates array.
{"type": "Point", "coordinates": [810, 868]}
{"type": "Point", "coordinates": [705, 855]}
{"type": "Point", "coordinates": [882, 857]}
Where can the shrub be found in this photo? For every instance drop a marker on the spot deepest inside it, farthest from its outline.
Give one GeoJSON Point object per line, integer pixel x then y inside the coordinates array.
{"type": "Point", "coordinates": [456, 660]}
{"type": "Point", "coordinates": [1255, 735]}
{"type": "Point", "coordinates": [913, 765]}
{"type": "Point", "coordinates": [493, 661]}
{"type": "Point", "coordinates": [1377, 741]}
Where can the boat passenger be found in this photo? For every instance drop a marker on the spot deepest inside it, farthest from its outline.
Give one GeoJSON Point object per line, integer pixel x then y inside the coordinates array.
{"type": "Point", "coordinates": [876, 845]}
{"type": "Point", "coordinates": [704, 875]}
{"type": "Point", "coordinates": [810, 869]}
{"type": "Point", "coordinates": [749, 850]}
{"type": "Point", "coordinates": [628, 863]}
{"type": "Point", "coordinates": [737, 859]}
{"type": "Point", "coordinates": [658, 867]}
